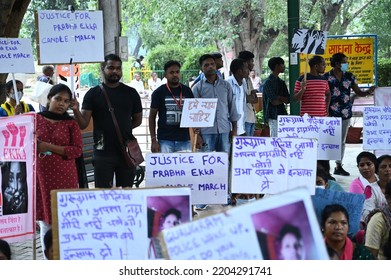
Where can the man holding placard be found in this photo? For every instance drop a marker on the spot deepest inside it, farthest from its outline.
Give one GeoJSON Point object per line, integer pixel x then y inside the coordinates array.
{"type": "Point", "coordinates": [126, 102]}
{"type": "Point", "coordinates": [167, 100]}
{"type": "Point", "coordinates": [216, 138]}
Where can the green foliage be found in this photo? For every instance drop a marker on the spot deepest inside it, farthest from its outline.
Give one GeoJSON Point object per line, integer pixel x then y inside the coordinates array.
{"type": "Point", "coordinates": [384, 72]}
{"type": "Point", "coordinates": [259, 120]}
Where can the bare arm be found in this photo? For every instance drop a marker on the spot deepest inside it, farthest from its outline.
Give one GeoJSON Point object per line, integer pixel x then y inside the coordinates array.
{"type": "Point", "coordinates": [82, 118]}
{"type": "Point", "coordinates": [297, 96]}
{"type": "Point", "coordinates": [155, 147]}
{"type": "Point", "coordinates": [361, 93]}
{"type": "Point", "coordinates": [328, 99]}
{"type": "Point", "coordinates": [137, 118]}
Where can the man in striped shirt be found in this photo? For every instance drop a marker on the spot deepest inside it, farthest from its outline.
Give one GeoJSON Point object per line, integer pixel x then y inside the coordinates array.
{"type": "Point", "coordinates": [312, 89]}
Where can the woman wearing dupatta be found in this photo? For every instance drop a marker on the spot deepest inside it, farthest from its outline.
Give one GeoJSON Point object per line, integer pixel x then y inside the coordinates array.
{"type": "Point", "coordinates": [59, 143]}
{"type": "Point", "coordinates": [335, 226]}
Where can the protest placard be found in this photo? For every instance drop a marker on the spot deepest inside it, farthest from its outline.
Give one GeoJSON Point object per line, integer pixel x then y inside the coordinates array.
{"type": "Point", "coordinates": [17, 160]}
{"type": "Point", "coordinates": [205, 173]}
{"type": "Point", "coordinates": [199, 112]}
{"type": "Point", "coordinates": [272, 165]}
{"type": "Point", "coordinates": [249, 232]}
{"type": "Point", "coordinates": [115, 224]}
{"type": "Point", "coordinates": [327, 130]}
{"type": "Point", "coordinates": [377, 131]}
{"type": "Point", "coordinates": [353, 203]}
{"type": "Point", "coordinates": [309, 41]}
{"type": "Point", "coordinates": [16, 56]}
{"type": "Point", "coordinates": [382, 96]}
{"type": "Point", "coordinates": [65, 36]}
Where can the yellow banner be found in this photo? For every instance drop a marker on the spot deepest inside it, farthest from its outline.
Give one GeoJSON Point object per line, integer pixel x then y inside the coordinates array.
{"type": "Point", "coordinates": [360, 57]}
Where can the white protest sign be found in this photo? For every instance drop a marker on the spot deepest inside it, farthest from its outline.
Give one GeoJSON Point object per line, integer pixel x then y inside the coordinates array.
{"type": "Point", "coordinates": [205, 173]}
{"type": "Point", "coordinates": [199, 112]}
{"type": "Point", "coordinates": [16, 56]}
{"type": "Point", "coordinates": [249, 232]}
{"type": "Point", "coordinates": [114, 224]}
{"type": "Point", "coordinates": [327, 130]}
{"type": "Point", "coordinates": [309, 41]}
{"type": "Point", "coordinates": [17, 196]}
{"type": "Point", "coordinates": [272, 165]}
{"type": "Point", "coordinates": [65, 36]}
{"type": "Point", "coordinates": [377, 129]}
{"type": "Point", "coordinates": [382, 96]}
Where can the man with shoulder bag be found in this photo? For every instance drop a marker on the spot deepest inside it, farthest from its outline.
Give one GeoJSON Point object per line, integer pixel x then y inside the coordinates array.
{"type": "Point", "coordinates": [116, 110]}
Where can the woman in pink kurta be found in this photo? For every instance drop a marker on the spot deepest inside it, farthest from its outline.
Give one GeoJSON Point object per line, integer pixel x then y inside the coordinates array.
{"type": "Point", "coordinates": [59, 144]}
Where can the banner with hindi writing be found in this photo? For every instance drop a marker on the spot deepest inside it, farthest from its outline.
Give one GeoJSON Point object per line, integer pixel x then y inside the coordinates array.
{"type": "Point", "coordinates": [205, 173]}
{"type": "Point", "coordinates": [16, 56]}
{"type": "Point", "coordinates": [17, 161]}
{"type": "Point", "coordinates": [199, 112]}
{"type": "Point", "coordinates": [327, 130]}
{"type": "Point", "coordinates": [360, 53]}
{"type": "Point", "coordinates": [115, 224]}
{"type": "Point", "coordinates": [250, 232]}
{"type": "Point", "coordinates": [377, 129]}
{"type": "Point", "coordinates": [267, 165]}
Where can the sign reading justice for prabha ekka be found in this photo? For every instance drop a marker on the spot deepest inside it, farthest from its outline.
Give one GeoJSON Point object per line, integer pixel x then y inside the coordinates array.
{"type": "Point", "coordinates": [205, 173]}
{"type": "Point", "coordinates": [327, 130]}
{"type": "Point", "coordinates": [66, 35]}
{"type": "Point", "coordinates": [272, 165]}
{"type": "Point", "coordinates": [377, 129]}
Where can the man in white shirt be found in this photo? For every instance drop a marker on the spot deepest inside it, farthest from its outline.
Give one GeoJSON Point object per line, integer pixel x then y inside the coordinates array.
{"type": "Point", "coordinates": [153, 83]}
{"type": "Point", "coordinates": [138, 85]}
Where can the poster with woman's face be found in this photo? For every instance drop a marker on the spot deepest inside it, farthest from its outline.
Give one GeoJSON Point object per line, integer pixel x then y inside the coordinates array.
{"type": "Point", "coordinates": [14, 188]}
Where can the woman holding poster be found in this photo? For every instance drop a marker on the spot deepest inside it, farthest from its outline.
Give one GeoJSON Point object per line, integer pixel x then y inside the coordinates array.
{"type": "Point", "coordinates": [14, 106]}
{"type": "Point", "coordinates": [59, 143]}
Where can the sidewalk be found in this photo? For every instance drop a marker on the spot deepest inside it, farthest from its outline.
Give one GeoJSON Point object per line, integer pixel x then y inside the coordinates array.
{"type": "Point", "coordinates": [24, 250]}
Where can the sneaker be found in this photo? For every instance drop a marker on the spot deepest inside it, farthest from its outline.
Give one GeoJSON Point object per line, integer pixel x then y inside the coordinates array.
{"type": "Point", "coordinates": [201, 206]}
{"type": "Point", "coordinates": [340, 171]}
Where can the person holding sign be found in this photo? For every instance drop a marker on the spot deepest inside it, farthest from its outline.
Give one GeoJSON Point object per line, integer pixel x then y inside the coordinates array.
{"type": "Point", "coordinates": [167, 100]}
{"type": "Point", "coordinates": [108, 158]}
{"type": "Point", "coordinates": [59, 143]}
{"type": "Point", "coordinates": [14, 106]}
{"type": "Point", "coordinates": [341, 83]}
{"type": "Point", "coordinates": [275, 95]}
{"type": "Point", "coordinates": [335, 227]}
{"type": "Point", "coordinates": [217, 137]}
{"type": "Point", "coordinates": [313, 90]}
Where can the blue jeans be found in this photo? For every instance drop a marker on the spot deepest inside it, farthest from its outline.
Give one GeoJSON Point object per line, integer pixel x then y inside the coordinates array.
{"type": "Point", "coordinates": [216, 142]}
{"type": "Point", "coordinates": [249, 128]}
{"type": "Point", "coordinates": [168, 146]}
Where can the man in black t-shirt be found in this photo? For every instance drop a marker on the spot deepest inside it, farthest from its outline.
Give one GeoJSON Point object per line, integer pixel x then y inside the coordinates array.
{"type": "Point", "coordinates": [108, 158]}
{"type": "Point", "coordinates": [167, 100]}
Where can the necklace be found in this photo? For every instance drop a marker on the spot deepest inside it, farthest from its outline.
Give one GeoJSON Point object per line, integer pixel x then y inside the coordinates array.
{"type": "Point", "coordinates": [179, 104]}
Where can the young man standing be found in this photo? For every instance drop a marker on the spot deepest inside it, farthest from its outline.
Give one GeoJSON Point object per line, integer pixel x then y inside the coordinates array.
{"type": "Point", "coordinates": [108, 158]}
{"type": "Point", "coordinates": [275, 95]}
{"type": "Point", "coordinates": [167, 100]}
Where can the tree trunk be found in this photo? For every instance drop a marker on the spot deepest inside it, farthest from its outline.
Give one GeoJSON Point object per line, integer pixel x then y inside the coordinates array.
{"type": "Point", "coordinates": [138, 46]}
{"type": "Point", "coordinates": [330, 12]}
{"type": "Point", "coordinates": [11, 17]}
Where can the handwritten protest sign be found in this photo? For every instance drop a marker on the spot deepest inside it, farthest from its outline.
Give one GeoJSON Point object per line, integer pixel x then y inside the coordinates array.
{"type": "Point", "coordinates": [17, 196]}
{"type": "Point", "coordinates": [113, 224]}
{"type": "Point", "coordinates": [327, 130]}
{"type": "Point", "coordinates": [353, 203]}
{"type": "Point", "coordinates": [248, 232]}
{"type": "Point", "coordinates": [309, 41]}
{"type": "Point", "coordinates": [377, 130]}
{"type": "Point", "coordinates": [205, 173]}
{"type": "Point", "coordinates": [16, 56]}
{"type": "Point", "coordinates": [66, 35]}
{"type": "Point", "coordinates": [382, 96]}
{"type": "Point", "coordinates": [272, 165]}
{"type": "Point", "coordinates": [199, 112]}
